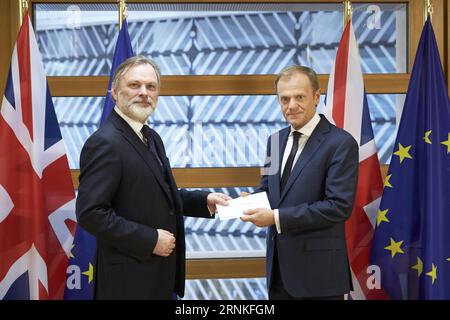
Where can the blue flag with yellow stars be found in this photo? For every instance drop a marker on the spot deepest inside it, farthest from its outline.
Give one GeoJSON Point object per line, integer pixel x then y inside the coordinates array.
{"type": "Point", "coordinates": [80, 272]}
{"type": "Point", "coordinates": [411, 244]}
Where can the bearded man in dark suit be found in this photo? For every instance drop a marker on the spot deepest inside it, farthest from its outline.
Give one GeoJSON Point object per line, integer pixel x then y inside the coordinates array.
{"type": "Point", "coordinates": [128, 198]}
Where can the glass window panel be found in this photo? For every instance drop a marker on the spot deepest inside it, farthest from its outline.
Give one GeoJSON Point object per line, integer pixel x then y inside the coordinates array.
{"type": "Point", "coordinates": [88, 34]}
{"type": "Point", "coordinates": [214, 131]}
{"type": "Point", "coordinates": [226, 289]}
{"type": "Point", "coordinates": [220, 39]}
{"type": "Point", "coordinates": [381, 31]}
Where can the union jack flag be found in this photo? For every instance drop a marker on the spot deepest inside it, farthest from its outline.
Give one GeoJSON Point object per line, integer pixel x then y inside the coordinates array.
{"type": "Point", "coordinates": [37, 200]}
{"type": "Point", "coordinates": [347, 108]}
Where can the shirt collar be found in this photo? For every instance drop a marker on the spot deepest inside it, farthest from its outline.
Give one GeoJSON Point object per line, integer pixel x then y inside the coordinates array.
{"type": "Point", "coordinates": [308, 128]}
{"type": "Point", "coordinates": [135, 125]}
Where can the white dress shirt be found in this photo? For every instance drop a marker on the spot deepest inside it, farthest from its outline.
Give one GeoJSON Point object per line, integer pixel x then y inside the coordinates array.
{"type": "Point", "coordinates": [306, 132]}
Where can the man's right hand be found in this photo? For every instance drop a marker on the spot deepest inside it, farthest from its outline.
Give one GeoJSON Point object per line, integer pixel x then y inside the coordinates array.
{"type": "Point", "coordinates": [165, 244]}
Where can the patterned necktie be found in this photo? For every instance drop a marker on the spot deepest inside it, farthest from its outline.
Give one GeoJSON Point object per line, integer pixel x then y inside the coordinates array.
{"type": "Point", "coordinates": [147, 133]}
{"type": "Point", "coordinates": [288, 166]}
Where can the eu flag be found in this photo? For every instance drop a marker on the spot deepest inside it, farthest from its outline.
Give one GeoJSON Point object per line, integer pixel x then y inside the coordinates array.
{"type": "Point", "coordinates": [80, 272]}
{"type": "Point", "coordinates": [123, 52]}
{"type": "Point", "coordinates": [412, 237]}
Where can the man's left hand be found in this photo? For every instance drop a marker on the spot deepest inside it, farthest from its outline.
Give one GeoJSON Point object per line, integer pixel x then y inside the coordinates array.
{"type": "Point", "coordinates": [261, 217]}
{"type": "Point", "coordinates": [216, 198]}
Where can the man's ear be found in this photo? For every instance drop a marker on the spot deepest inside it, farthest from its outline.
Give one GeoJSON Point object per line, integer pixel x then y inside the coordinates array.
{"type": "Point", "coordinates": [317, 97]}
{"type": "Point", "coordinates": [113, 94]}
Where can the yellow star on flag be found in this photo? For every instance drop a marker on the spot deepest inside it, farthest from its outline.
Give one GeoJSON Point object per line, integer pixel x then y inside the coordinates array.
{"type": "Point", "coordinates": [418, 267]}
{"type": "Point", "coordinates": [432, 273]}
{"type": "Point", "coordinates": [71, 255]}
{"type": "Point", "coordinates": [89, 273]}
{"type": "Point", "coordinates": [382, 216]}
{"type": "Point", "coordinates": [427, 137]}
{"type": "Point", "coordinates": [447, 143]}
{"type": "Point", "coordinates": [403, 152]}
{"type": "Point", "coordinates": [387, 182]}
{"type": "Point", "coordinates": [395, 247]}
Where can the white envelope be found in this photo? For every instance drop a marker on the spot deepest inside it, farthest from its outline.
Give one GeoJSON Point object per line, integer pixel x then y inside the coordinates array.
{"type": "Point", "coordinates": [236, 207]}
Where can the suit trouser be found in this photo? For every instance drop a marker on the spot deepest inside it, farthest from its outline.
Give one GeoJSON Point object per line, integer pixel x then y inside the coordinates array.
{"type": "Point", "coordinates": [277, 290]}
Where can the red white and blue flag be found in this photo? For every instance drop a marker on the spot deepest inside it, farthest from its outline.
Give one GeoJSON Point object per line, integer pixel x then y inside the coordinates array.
{"type": "Point", "coordinates": [37, 200]}
{"type": "Point", "coordinates": [347, 108]}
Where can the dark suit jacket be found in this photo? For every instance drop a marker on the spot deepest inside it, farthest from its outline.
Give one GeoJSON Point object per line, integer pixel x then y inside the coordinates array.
{"type": "Point", "coordinates": [123, 199]}
{"type": "Point", "coordinates": [317, 200]}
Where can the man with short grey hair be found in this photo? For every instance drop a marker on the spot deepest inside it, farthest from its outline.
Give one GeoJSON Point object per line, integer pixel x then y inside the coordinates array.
{"type": "Point", "coordinates": [133, 62]}
{"type": "Point", "coordinates": [128, 198]}
{"type": "Point", "coordinates": [310, 180]}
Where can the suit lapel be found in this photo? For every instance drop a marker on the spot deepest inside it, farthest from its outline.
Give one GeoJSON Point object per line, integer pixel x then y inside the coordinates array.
{"type": "Point", "coordinates": [141, 149]}
{"type": "Point", "coordinates": [313, 143]}
{"type": "Point", "coordinates": [274, 179]}
{"type": "Point", "coordinates": [171, 181]}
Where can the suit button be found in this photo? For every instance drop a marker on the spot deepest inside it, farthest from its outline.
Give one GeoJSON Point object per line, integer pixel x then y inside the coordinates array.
{"type": "Point", "coordinates": [171, 212]}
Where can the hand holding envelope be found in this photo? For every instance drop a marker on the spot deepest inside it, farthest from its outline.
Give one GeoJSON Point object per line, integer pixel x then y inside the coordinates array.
{"type": "Point", "coordinates": [246, 208]}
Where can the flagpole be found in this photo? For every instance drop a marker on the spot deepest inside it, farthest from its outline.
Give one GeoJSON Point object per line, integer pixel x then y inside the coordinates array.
{"type": "Point", "coordinates": [347, 11]}
{"type": "Point", "coordinates": [428, 10]}
{"type": "Point", "coordinates": [122, 12]}
{"type": "Point", "coordinates": [23, 7]}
